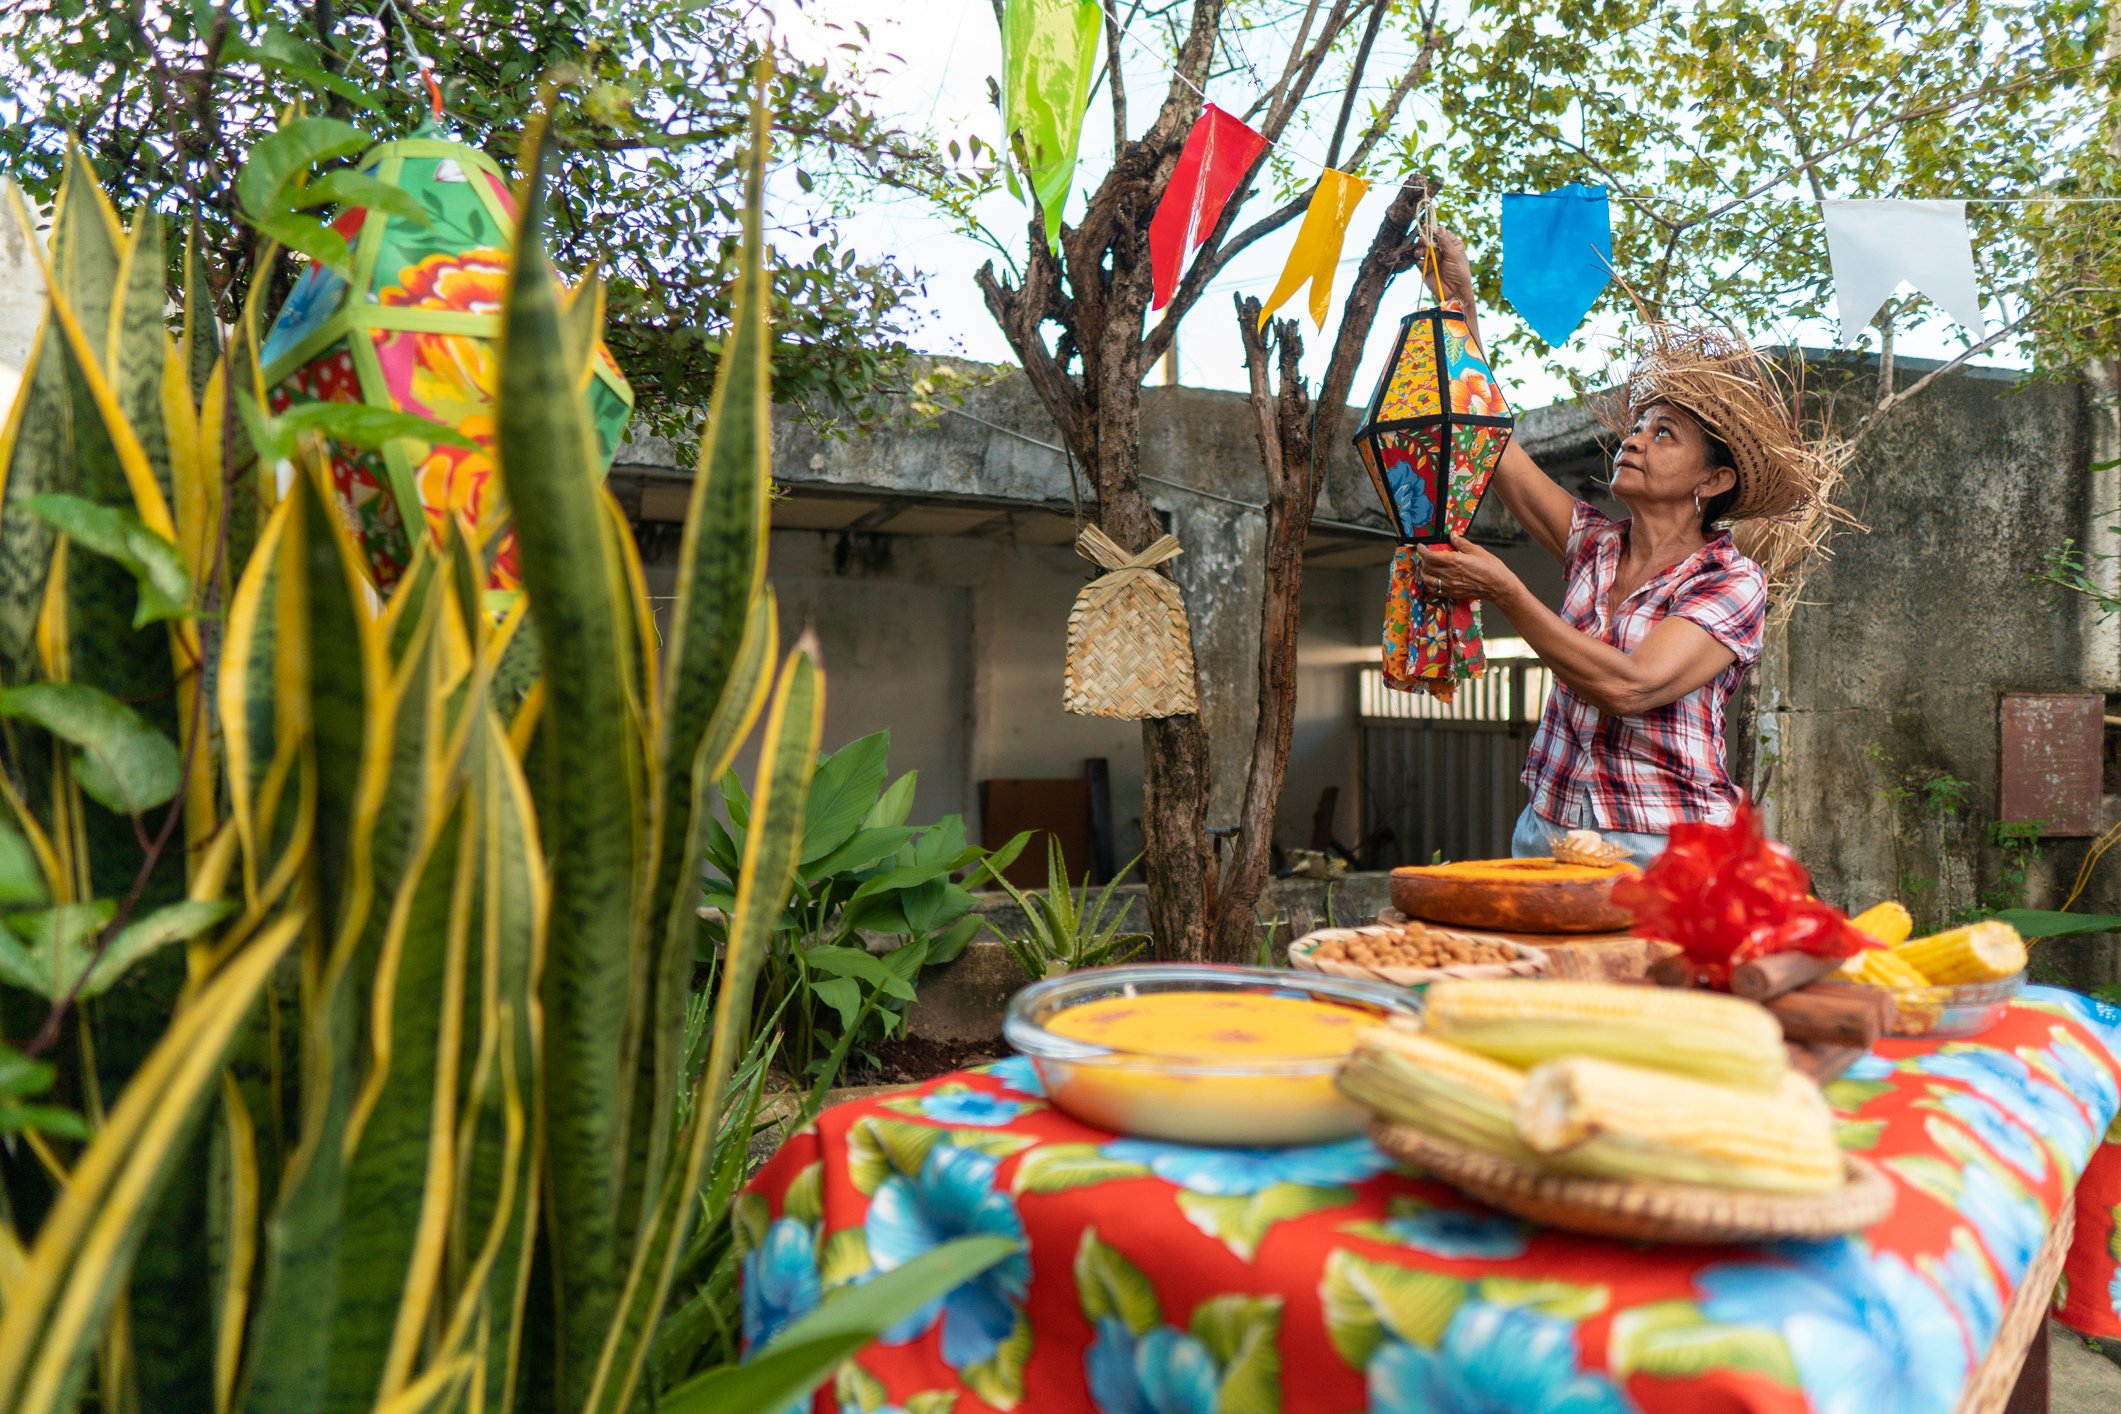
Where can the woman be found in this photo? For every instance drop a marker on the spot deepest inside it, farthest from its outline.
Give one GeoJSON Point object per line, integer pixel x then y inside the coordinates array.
{"type": "Point", "coordinates": [1662, 614]}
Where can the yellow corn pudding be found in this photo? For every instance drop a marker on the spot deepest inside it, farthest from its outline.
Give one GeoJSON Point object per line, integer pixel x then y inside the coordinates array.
{"type": "Point", "coordinates": [1211, 1067]}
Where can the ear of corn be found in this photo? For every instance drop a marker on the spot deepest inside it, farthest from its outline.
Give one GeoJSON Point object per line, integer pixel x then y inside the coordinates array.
{"type": "Point", "coordinates": [1437, 1088]}
{"type": "Point", "coordinates": [1712, 1037]}
{"type": "Point", "coordinates": [1888, 922]}
{"type": "Point", "coordinates": [1979, 952]}
{"type": "Point", "coordinates": [1599, 1119]}
{"type": "Point", "coordinates": [1881, 967]}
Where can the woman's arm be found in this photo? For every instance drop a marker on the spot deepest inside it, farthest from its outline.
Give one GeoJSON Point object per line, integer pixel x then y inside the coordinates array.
{"type": "Point", "coordinates": [1676, 657]}
{"type": "Point", "coordinates": [1530, 496]}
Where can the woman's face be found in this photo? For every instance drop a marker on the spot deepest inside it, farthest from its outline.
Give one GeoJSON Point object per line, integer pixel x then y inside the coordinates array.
{"type": "Point", "coordinates": [1665, 459]}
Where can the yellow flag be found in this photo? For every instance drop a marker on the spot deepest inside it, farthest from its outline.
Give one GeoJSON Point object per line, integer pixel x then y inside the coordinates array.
{"type": "Point", "coordinates": [1317, 251]}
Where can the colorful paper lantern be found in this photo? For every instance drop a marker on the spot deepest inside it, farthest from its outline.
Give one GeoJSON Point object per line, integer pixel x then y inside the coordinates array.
{"type": "Point", "coordinates": [1436, 407]}
{"type": "Point", "coordinates": [416, 329]}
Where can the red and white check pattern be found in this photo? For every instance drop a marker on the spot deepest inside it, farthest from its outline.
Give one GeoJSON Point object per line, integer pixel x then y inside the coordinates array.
{"type": "Point", "coordinates": [1646, 774]}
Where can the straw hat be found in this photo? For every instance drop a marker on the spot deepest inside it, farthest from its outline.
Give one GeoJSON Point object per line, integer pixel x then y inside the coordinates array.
{"type": "Point", "coordinates": [1786, 478]}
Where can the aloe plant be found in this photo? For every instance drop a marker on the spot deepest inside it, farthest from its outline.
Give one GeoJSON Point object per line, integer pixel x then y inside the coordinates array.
{"type": "Point", "coordinates": [1066, 928]}
{"type": "Point", "coordinates": [406, 1121]}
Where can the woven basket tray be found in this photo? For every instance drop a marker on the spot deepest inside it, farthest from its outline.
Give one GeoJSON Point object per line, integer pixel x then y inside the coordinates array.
{"type": "Point", "coordinates": [1655, 1212]}
{"type": "Point", "coordinates": [1531, 962]}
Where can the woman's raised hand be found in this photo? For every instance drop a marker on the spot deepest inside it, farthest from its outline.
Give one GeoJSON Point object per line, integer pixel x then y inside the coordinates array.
{"type": "Point", "coordinates": [1452, 277]}
{"type": "Point", "coordinates": [1465, 571]}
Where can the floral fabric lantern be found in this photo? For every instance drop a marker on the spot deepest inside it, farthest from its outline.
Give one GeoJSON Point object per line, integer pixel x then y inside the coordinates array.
{"type": "Point", "coordinates": [416, 329]}
{"type": "Point", "coordinates": [1431, 438]}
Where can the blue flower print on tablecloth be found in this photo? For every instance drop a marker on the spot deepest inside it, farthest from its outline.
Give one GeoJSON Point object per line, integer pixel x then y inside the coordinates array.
{"type": "Point", "coordinates": [1868, 1335]}
{"type": "Point", "coordinates": [2103, 1018]}
{"type": "Point", "coordinates": [1163, 1371]}
{"type": "Point", "coordinates": [953, 1196]}
{"type": "Point", "coordinates": [2082, 1074]}
{"type": "Point", "coordinates": [1457, 1233]}
{"type": "Point", "coordinates": [1234, 1172]}
{"type": "Point", "coordinates": [2012, 1084]}
{"type": "Point", "coordinates": [1492, 1359]}
{"type": "Point", "coordinates": [1870, 1066]}
{"type": "Point", "coordinates": [1019, 1075]}
{"type": "Point", "coordinates": [960, 1104]}
{"type": "Point", "coordinates": [1996, 1129]}
{"type": "Point", "coordinates": [2010, 1221]}
{"type": "Point", "coordinates": [781, 1280]}
{"type": "Point", "coordinates": [1969, 1284]}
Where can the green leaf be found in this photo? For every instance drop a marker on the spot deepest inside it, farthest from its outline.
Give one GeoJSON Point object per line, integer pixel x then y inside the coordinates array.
{"type": "Point", "coordinates": [1108, 1286]}
{"type": "Point", "coordinates": [171, 923]}
{"type": "Point", "coordinates": [894, 805]}
{"type": "Point", "coordinates": [845, 1256]}
{"type": "Point", "coordinates": [859, 963]}
{"type": "Point", "coordinates": [22, 1080]}
{"type": "Point", "coordinates": [119, 534]}
{"type": "Point", "coordinates": [45, 952]}
{"type": "Point", "coordinates": [21, 881]}
{"type": "Point", "coordinates": [863, 848]}
{"type": "Point", "coordinates": [842, 994]}
{"type": "Point", "coordinates": [1365, 1301]}
{"type": "Point", "coordinates": [347, 187]}
{"type": "Point", "coordinates": [1671, 1340]}
{"type": "Point", "coordinates": [1242, 1222]}
{"type": "Point", "coordinates": [2041, 923]}
{"type": "Point", "coordinates": [1057, 1168]}
{"type": "Point", "coordinates": [950, 944]}
{"type": "Point", "coordinates": [847, 786]}
{"type": "Point", "coordinates": [784, 1374]}
{"type": "Point", "coordinates": [1564, 1300]}
{"type": "Point", "coordinates": [1240, 1333]}
{"type": "Point", "coordinates": [360, 425]}
{"type": "Point", "coordinates": [277, 162]}
{"type": "Point", "coordinates": [122, 763]}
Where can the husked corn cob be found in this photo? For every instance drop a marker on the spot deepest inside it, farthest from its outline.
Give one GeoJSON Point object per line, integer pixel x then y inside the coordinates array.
{"type": "Point", "coordinates": [1888, 922]}
{"type": "Point", "coordinates": [1437, 1088]}
{"type": "Point", "coordinates": [1879, 967]}
{"type": "Point", "coordinates": [1980, 952]}
{"type": "Point", "coordinates": [1713, 1037]}
{"type": "Point", "coordinates": [1603, 1120]}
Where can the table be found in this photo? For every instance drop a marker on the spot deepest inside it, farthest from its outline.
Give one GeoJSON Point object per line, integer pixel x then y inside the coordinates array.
{"type": "Point", "coordinates": [1172, 1279]}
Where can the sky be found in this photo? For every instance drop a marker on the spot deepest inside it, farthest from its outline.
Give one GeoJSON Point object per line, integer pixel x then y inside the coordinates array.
{"type": "Point", "coordinates": [937, 58]}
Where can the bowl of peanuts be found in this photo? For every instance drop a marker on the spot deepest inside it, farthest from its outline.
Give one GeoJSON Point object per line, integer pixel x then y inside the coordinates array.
{"type": "Point", "coordinates": [1412, 954]}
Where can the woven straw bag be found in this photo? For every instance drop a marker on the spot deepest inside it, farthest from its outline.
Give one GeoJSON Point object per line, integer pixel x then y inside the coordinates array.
{"type": "Point", "coordinates": [1130, 649]}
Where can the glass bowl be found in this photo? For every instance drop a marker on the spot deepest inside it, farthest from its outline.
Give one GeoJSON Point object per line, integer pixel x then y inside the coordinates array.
{"type": "Point", "coordinates": [1948, 1013]}
{"type": "Point", "coordinates": [1224, 1101]}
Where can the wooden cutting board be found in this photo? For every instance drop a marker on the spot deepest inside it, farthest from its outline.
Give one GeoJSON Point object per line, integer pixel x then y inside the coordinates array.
{"type": "Point", "coordinates": [1576, 957]}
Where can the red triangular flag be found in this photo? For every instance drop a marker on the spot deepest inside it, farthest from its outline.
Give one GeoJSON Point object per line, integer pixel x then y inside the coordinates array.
{"type": "Point", "coordinates": [1218, 153]}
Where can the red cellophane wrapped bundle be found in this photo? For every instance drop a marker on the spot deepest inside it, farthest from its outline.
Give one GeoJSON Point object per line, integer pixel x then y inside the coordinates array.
{"type": "Point", "coordinates": [1726, 894]}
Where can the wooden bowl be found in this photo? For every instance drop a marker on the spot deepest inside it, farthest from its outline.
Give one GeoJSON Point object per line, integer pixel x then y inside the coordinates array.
{"type": "Point", "coordinates": [1514, 895]}
{"type": "Point", "coordinates": [1655, 1212]}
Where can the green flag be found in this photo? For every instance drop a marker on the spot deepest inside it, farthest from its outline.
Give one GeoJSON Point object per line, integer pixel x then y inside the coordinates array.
{"type": "Point", "coordinates": [1047, 49]}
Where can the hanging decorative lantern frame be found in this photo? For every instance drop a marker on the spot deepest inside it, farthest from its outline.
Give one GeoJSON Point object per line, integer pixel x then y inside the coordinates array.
{"type": "Point", "coordinates": [416, 328]}
{"type": "Point", "coordinates": [1435, 428]}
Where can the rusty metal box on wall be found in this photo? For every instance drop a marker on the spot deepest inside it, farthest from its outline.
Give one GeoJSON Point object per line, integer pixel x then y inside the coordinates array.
{"type": "Point", "coordinates": [2053, 746]}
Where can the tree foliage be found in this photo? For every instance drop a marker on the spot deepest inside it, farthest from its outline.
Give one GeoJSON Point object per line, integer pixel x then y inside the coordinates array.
{"type": "Point", "coordinates": [166, 97]}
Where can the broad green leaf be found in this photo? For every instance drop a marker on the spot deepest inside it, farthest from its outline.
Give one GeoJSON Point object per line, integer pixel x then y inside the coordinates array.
{"type": "Point", "coordinates": [171, 923]}
{"type": "Point", "coordinates": [122, 763]}
{"type": "Point", "coordinates": [842, 994]}
{"type": "Point", "coordinates": [848, 784]}
{"type": "Point", "coordinates": [1056, 1168]}
{"type": "Point", "coordinates": [1567, 1300]}
{"type": "Point", "coordinates": [1241, 1222]}
{"type": "Point", "coordinates": [1671, 1340]}
{"type": "Point", "coordinates": [346, 187]}
{"type": "Point", "coordinates": [861, 964]}
{"type": "Point", "coordinates": [849, 1318]}
{"type": "Point", "coordinates": [278, 162]}
{"type": "Point", "coordinates": [863, 848]}
{"type": "Point", "coordinates": [950, 944]}
{"type": "Point", "coordinates": [1365, 1302]}
{"type": "Point", "coordinates": [894, 805]}
{"type": "Point", "coordinates": [46, 952]}
{"type": "Point", "coordinates": [2042, 923]}
{"type": "Point", "coordinates": [22, 1080]}
{"type": "Point", "coordinates": [1108, 1286]}
{"type": "Point", "coordinates": [277, 438]}
{"type": "Point", "coordinates": [1240, 1332]}
{"type": "Point", "coordinates": [119, 534]}
{"type": "Point", "coordinates": [771, 1382]}
{"type": "Point", "coordinates": [21, 881]}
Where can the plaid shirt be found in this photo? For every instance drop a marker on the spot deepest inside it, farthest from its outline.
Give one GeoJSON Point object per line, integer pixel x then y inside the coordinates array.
{"type": "Point", "coordinates": [1646, 774]}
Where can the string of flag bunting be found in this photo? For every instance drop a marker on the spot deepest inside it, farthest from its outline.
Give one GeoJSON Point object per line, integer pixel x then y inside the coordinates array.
{"type": "Point", "coordinates": [1557, 246]}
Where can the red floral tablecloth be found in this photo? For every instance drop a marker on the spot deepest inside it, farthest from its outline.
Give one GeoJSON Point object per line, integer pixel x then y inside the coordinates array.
{"type": "Point", "coordinates": [1173, 1279]}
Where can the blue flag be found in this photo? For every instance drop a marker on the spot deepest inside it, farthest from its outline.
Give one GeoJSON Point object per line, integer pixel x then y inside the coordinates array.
{"type": "Point", "coordinates": [1557, 254]}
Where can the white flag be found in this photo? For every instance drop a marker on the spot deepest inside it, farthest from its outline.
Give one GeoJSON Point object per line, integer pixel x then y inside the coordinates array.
{"type": "Point", "coordinates": [1876, 246]}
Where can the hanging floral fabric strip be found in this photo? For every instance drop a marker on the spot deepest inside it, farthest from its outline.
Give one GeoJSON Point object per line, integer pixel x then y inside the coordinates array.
{"type": "Point", "coordinates": [1218, 153]}
{"type": "Point", "coordinates": [1431, 643]}
{"type": "Point", "coordinates": [1047, 51]}
{"type": "Point", "coordinates": [1316, 255]}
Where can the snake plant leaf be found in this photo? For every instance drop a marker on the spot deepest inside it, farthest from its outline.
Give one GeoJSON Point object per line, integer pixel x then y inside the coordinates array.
{"type": "Point", "coordinates": [58, 1304]}
{"type": "Point", "coordinates": [120, 760]}
{"type": "Point", "coordinates": [53, 952]}
{"type": "Point", "coordinates": [799, 1359]}
{"type": "Point", "coordinates": [795, 719]}
{"type": "Point", "coordinates": [137, 350]}
{"type": "Point", "coordinates": [578, 594]}
{"type": "Point", "coordinates": [119, 534]}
